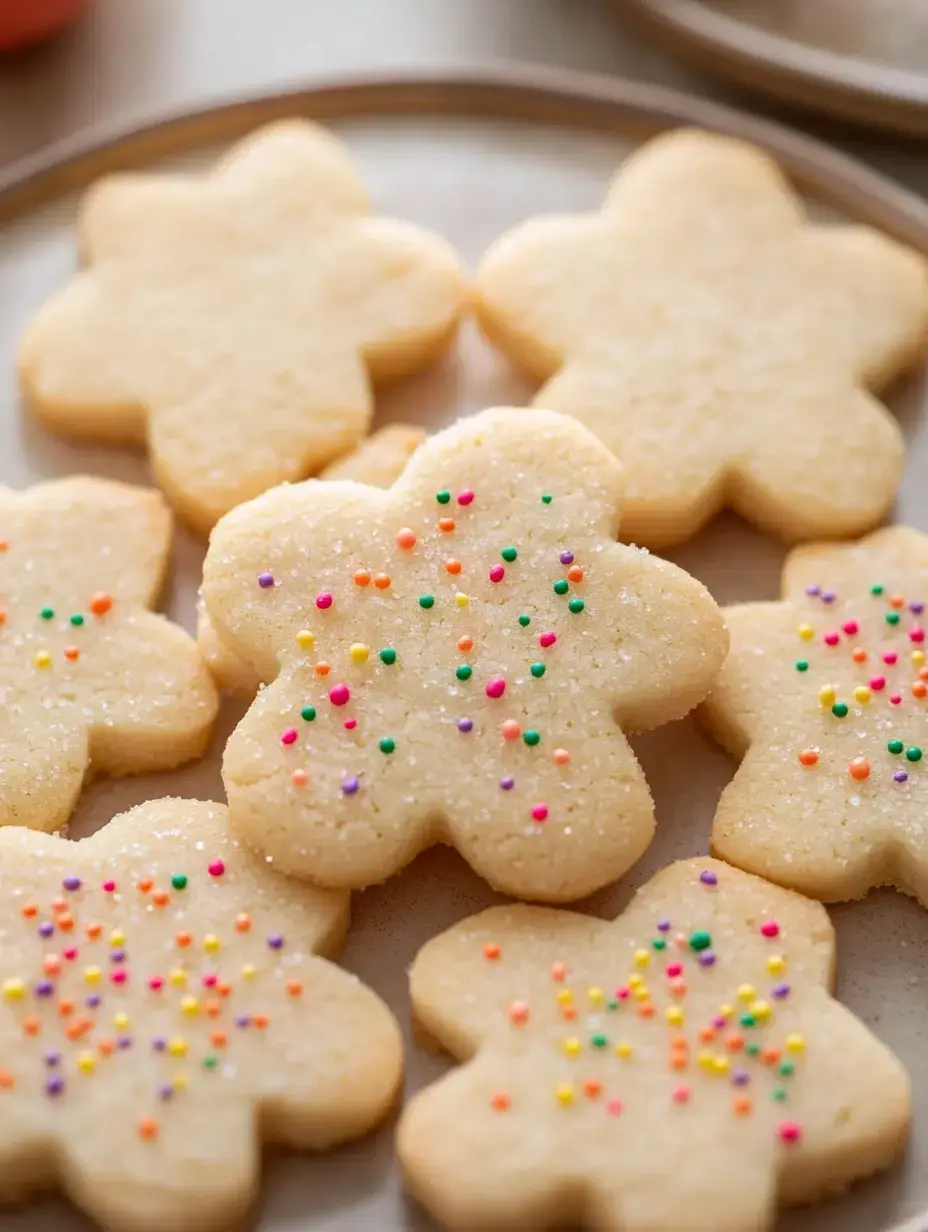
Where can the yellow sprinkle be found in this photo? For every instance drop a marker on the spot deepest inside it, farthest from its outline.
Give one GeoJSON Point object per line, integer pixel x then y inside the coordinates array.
{"type": "Point", "coordinates": [775, 964]}
{"type": "Point", "coordinates": [461, 600]}
{"type": "Point", "coordinates": [121, 1021]}
{"type": "Point", "coordinates": [642, 958]}
{"type": "Point", "coordinates": [761, 1010]}
{"type": "Point", "coordinates": [572, 1046]}
{"type": "Point", "coordinates": [596, 996]}
{"type": "Point", "coordinates": [623, 1049]}
{"type": "Point", "coordinates": [178, 977]}
{"type": "Point", "coordinates": [795, 1043]}
{"type": "Point", "coordinates": [305, 639]}
{"type": "Point", "coordinates": [674, 1016]}
{"type": "Point", "coordinates": [86, 1062]}
{"type": "Point", "coordinates": [211, 943]}
{"type": "Point", "coordinates": [746, 992]}
{"type": "Point", "coordinates": [43, 659]}
{"type": "Point", "coordinates": [635, 981]}
{"type": "Point", "coordinates": [564, 996]}
{"type": "Point", "coordinates": [177, 1047]}
{"type": "Point", "coordinates": [827, 696]}
{"type": "Point", "coordinates": [92, 975]}
{"type": "Point", "coordinates": [358, 652]}
{"type": "Point", "coordinates": [806, 632]}
{"type": "Point", "coordinates": [248, 971]}
{"type": "Point", "coordinates": [565, 1093]}
{"type": "Point", "coordinates": [179, 1081]}
{"type": "Point", "coordinates": [918, 657]}
{"type": "Point", "coordinates": [117, 938]}
{"type": "Point", "coordinates": [705, 1058]}
{"type": "Point", "coordinates": [642, 993]}
{"type": "Point", "coordinates": [721, 1065]}
{"type": "Point", "coordinates": [190, 1005]}
{"type": "Point", "coordinates": [726, 1010]}
{"type": "Point", "coordinates": [862, 694]}
{"type": "Point", "coordinates": [13, 990]}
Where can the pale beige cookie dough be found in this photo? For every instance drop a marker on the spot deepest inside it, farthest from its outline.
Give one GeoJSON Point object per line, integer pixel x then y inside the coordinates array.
{"type": "Point", "coordinates": [683, 1067]}
{"type": "Point", "coordinates": [235, 321]}
{"type": "Point", "coordinates": [455, 660]}
{"type": "Point", "coordinates": [378, 460]}
{"type": "Point", "coordinates": [163, 1010]}
{"type": "Point", "coordinates": [90, 680]}
{"type": "Point", "coordinates": [824, 696]}
{"type": "Point", "coordinates": [725, 348]}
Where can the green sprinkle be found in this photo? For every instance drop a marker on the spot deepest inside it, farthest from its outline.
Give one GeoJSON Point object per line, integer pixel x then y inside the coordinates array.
{"type": "Point", "coordinates": [892, 618]}
{"type": "Point", "coordinates": [779, 1094]}
{"type": "Point", "coordinates": [839, 710]}
{"type": "Point", "coordinates": [576, 606]}
{"type": "Point", "coordinates": [387, 745]}
{"type": "Point", "coordinates": [802, 665]}
{"type": "Point", "coordinates": [179, 881]}
{"type": "Point", "coordinates": [464, 672]}
{"type": "Point", "coordinates": [426, 601]}
{"type": "Point", "coordinates": [308, 713]}
{"type": "Point", "coordinates": [876, 589]}
{"type": "Point", "coordinates": [546, 498]}
{"type": "Point", "coordinates": [388, 656]}
{"type": "Point", "coordinates": [913, 754]}
{"type": "Point", "coordinates": [598, 1041]}
{"type": "Point", "coordinates": [658, 944]}
{"type": "Point", "coordinates": [443, 496]}
{"type": "Point", "coordinates": [525, 620]}
{"type": "Point", "coordinates": [509, 554]}
{"type": "Point", "coordinates": [700, 940]}
{"type": "Point", "coordinates": [612, 1003]}
{"type": "Point", "coordinates": [76, 619]}
{"type": "Point", "coordinates": [210, 1061]}
{"type": "Point", "coordinates": [537, 670]}
{"type": "Point", "coordinates": [752, 1049]}
{"type": "Point", "coordinates": [561, 586]}
{"type": "Point", "coordinates": [787, 1069]}
{"type": "Point", "coordinates": [895, 746]}
{"type": "Point", "coordinates": [47, 613]}
{"type": "Point", "coordinates": [748, 1020]}
{"type": "Point", "coordinates": [531, 737]}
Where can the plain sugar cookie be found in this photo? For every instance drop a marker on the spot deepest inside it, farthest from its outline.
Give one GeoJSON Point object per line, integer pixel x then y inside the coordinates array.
{"type": "Point", "coordinates": [824, 696]}
{"type": "Point", "coordinates": [92, 681]}
{"type": "Point", "coordinates": [455, 660]}
{"type": "Point", "coordinates": [680, 1068]}
{"type": "Point", "coordinates": [234, 321]}
{"type": "Point", "coordinates": [724, 347]}
{"type": "Point", "coordinates": [163, 1010]}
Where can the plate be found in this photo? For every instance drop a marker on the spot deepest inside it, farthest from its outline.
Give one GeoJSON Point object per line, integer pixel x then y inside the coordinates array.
{"type": "Point", "coordinates": [470, 156]}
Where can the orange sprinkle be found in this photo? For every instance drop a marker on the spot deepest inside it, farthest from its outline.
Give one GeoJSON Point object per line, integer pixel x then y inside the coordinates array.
{"type": "Point", "coordinates": [31, 1026]}
{"type": "Point", "coordinates": [569, 1012]}
{"type": "Point", "coordinates": [30, 910]}
{"type": "Point", "coordinates": [7, 1081]}
{"type": "Point", "coordinates": [106, 1047]}
{"type": "Point", "coordinates": [859, 769]}
{"type": "Point", "coordinates": [771, 1055]}
{"type": "Point", "coordinates": [299, 778]}
{"type": "Point", "coordinates": [707, 1034]}
{"type": "Point", "coordinates": [734, 1043]}
{"type": "Point", "coordinates": [223, 988]}
{"type": "Point", "coordinates": [218, 1039]}
{"type": "Point", "coordinates": [2, 617]}
{"type": "Point", "coordinates": [466, 642]}
{"type": "Point", "coordinates": [381, 580]}
{"type": "Point", "coordinates": [406, 538]}
{"type": "Point", "coordinates": [100, 603]}
{"type": "Point", "coordinates": [446, 525]}
{"type": "Point", "coordinates": [65, 921]}
{"type": "Point", "coordinates": [575, 573]}
{"type": "Point", "coordinates": [677, 986]}
{"type": "Point", "coordinates": [260, 1021]}
{"type": "Point", "coordinates": [148, 1129]}
{"type": "Point", "coordinates": [59, 904]}
{"type": "Point", "coordinates": [212, 1008]}
{"type": "Point", "coordinates": [592, 1087]}
{"type": "Point", "coordinates": [322, 669]}
{"type": "Point", "coordinates": [808, 757]}
{"type": "Point", "coordinates": [859, 655]}
{"type": "Point", "coordinates": [77, 1028]}
{"type": "Point", "coordinates": [161, 898]}
{"type": "Point", "coordinates": [679, 1059]}
{"type": "Point", "coordinates": [919, 689]}
{"type": "Point", "coordinates": [294, 988]}
{"type": "Point", "coordinates": [646, 1010]}
{"type": "Point", "coordinates": [145, 884]}
{"type": "Point", "coordinates": [491, 950]}
{"type": "Point", "coordinates": [65, 1007]}
{"type": "Point", "coordinates": [362, 577]}
{"type": "Point", "coordinates": [94, 930]}
{"type": "Point", "coordinates": [741, 1105]}
{"type": "Point", "coordinates": [452, 566]}
{"type": "Point", "coordinates": [518, 1013]}
{"type": "Point", "coordinates": [500, 1101]}
{"type": "Point", "coordinates": [679, 1041]}
{"type": "Point", "coordinates": [4, 544]}
{"type": "Point", "coordinates": [896, 600]}
{"type": "Point", "coordinates": [923, 673]}
{"type": "Point", "coordinates": [242, 922]}
{"type": "Point", "coordinates": [51, 964]}
{"type": "Point", "coordinates": [183, 940]}
{"type": "Point", "coordinates": [558, 971]}
{"type": "Point", "coordinates": [72, 654]}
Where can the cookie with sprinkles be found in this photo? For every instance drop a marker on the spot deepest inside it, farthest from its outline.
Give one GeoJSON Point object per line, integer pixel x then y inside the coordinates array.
{"type": "Point", "coordinates": [235, 322]}
{"type": "Point", "coordinates": [681, 1067]}
{"type": "Point", "coordinates": [723, 345]}
{"type": "Point", "coordinates": [455, 660]}
{"type": "Point", "coordinates": [378, 460]}
{"type": "Point", "coordinates": [163, 1007]}
{"type": "Point", "coordinates": [824, 696]}
{"type": "Point", "coordinates": [92, 680]}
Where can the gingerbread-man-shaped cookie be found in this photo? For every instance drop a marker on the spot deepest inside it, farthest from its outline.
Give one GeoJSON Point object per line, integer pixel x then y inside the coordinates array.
{"type": "Point", "coordinates": [235, 321]}
{"type": "Point", "coordinates": [91, 679]}
{"type": "Point", "coordinates": [722, 345]}
{"type": "Point", "coordinates": [824, 694]}
{"type": "Point", "coordinates": [454, 660]}
{"type": "Point", "coordinates": [163, 1009]}
{"type": "Point", "coordinates": [680, 1068]}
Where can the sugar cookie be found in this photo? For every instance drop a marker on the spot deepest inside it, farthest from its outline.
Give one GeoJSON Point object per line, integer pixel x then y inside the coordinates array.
{"type": "Point", "coordinates": [378, 460]}
{"type": "Point", "coordinates": [680, 1068]}
{"type": "Point", "coordinates": [454, 660]}
{"type": "Point", "coordinates": [162, 1009]}
{"type": "Point", "coordinates": [824, 697]}
{"type": "Point", "coordinates": [92, 681]}
{"type": "Point", "coordinates": [232, 321]}
{"type": "Point", "coordinates": [721, 344]}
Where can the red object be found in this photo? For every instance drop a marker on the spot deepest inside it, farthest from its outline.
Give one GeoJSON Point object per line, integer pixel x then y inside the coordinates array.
{"type": "Point", "coordinates": [23, 22]}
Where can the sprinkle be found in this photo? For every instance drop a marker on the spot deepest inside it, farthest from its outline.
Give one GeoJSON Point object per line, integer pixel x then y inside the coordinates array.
{"type": "Point", "coordinates": [839, 710]}
{"type": "Point", "coordinates": [289, 736]}
{"type": "Point", "coordinates": [539, 812]}
{"type": "Point", "coordinates": [495, 687]}
{"type": "Point", "coordinates": [892, 618]}
{"type": "Point", "coordinates": [339, 694]}
{"type": "Point", "coordinates": [101, 603]}
{"type": "Point", "coordinates": [216, 868]}
{"type": "Point", "coordinates": [681, 1094]}
{"type": "Point", "coordinates": [518, 1013]}
{"type": "Point", "coordinates": [465, 497]}
{"type": "Point", "coordinates": [324, 600]}
{"type": "Point", "coordinates": [265, 580]}
{"type": "Point", "coordinates": [708, 878]}
{"type": "Point", "coordinates": [576, 606]}
{"type": "Point", "coordinates": [358, 652]}
{"type": "Point", "coordinates": [465, 725]}
{"type": "Point", "coordinates": [770, 928]}
{"type": "Point", "coordinates": [497, 573]}
{"type": "Point", "coordinates": [700, 940]}
{"type": "Point", "coordinates": [446, 525]}
{"type": "Point", "coordinates": [453, 566]}
{"type": "Point", "coordinates": [859, 769]}
{"type": "Point", "coordinates": [561, 757]}
{"type": "Point", "coordinates": [42, 659]}
{"type": "Point", "coordinates": [877, 683]}
{"type": "Point", "coordinates": [426, 601]}
{"type": "Point", "coordinates": [827, 696]}
{"type": "Point", "coordinates": [525, 620]}
{"type": "Point", "coordinates": [507, 783]}
{"type": "Point", "coordinates": [381, 580]}
{"type": "Point", "coordinates": [406, 539]}
{"type": "Point", "coordinates": [387, 745]}
{"type": "Point", "coordinates": [789, 1132]}
{"type": "Point", "coordinates": [362, 577]}
{"type": "Point", "coordinates": [510, 730]}
{"type": "Point", "coordinates": [351, 785]}
{"type": "Point", "coordinates": [148, 1129]}
{"type": "Point", "coordinates": [548, 638]}
{"type": "Point", "coordinates": [500, 1101]}
{"type": "Point", "coordinates": [900, 776]}
{"type": "Point", "coordinates": [561, 586]}
{"type": "Point", "coordinates": [531, 737]}
{"type": "Point", "coordinates": [862, 694]}
{"type": "Point", "coordinates": [802, 665]}
{"type": "Point", "coordinates": [809, 757]}
{"type": "Point", "coordinates": [491, 950]}
{"type": "Point", "coordinates": [913, 754]}
{"type": "Point", "coordinates": [464, 671]}
{"type": "Point", "coordinates": [443, 497]}
{"type": "Point", "coordinates": [388, 656]}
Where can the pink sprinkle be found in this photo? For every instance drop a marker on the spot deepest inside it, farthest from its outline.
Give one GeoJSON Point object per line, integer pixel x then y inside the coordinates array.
{"type": "Point", "coordinates": [109, 886]}
{"type": "Point", "coordinates": [70, 953]}
{"type": "Point", "coordinates": [614, 1107]}
{"type": "Point", "coordinates": [496, 687]}
{"type": "Point", "coordinates": [350, 724]}
{"type": "Point", "coordinates": [890, 657]}
{"type": "Point", "coordinates": [497, 573]}
{"type": "Point", "coordinates": [209, 980]}
{"type": "Point", "coordinates": [789, 1131]}
{"type": "Point", "coordinates": [465, 497]}
{"type": "Point", "coordinates": [895, 699]}
{"type": "Point", "coordinates": [324, 600]}
{"type": "Point", "coordinates": [850, 627]}
{"type": "Point", "coordinates": [877, 683]}
{"type": "Point", "coordinates": [156, 983]}
{"type": "Point", "coordinates": [289, 736]}
{"type": "Point", "coordinates": [681, 1095]}
{"type": "Point", "coordinates": [339, 694]}
{"type": "Point", "coordinates": [623, 993]}
{"type": "Point", "coordinates": [118, 977]}
{"type": "Point", "coordinates": [539, 812]}
{"type": "Point", "coordinates": [547, 639]}
{"type": "Point", "coordinates": [674, 969]}
{"type": "Point", "coordinates": [719, 1022]}
{"type": "Point", "coordinates": [831, 639]}
{"type": "Point", "coordinates": [216, 868]}
{"type": "Point", "coordinates": [770, 928]}
{"type": "Point", "coordinates": [916, 635]}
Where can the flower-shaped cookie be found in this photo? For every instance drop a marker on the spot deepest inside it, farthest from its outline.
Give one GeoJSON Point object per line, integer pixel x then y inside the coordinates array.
{"type": "Point", "coordinates": [719, 343]}
{"type": "Point", "coordinates": [825, 694]}
{"type": "Point", "coordinates": [162, 1010]}
{"type": "Point", "coordinates": [89, 678]}
{"type": "Point", "coordinates": [233, 321]}
{"type": "Point", "coordinates": [455, 660]}
{"type": "Point", "coordinates": [681, 1068]}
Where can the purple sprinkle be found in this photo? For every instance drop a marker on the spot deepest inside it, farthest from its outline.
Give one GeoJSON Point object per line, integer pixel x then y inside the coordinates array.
{"type": "Point", "coordinates": [275, 941]}
{"type": "Point", "coordinates": [44, 988]}
{"type": "Point", "coordinates": [707, 877]}
{"type": "Point", "coordinates": [663, 926]}
{"type": "Point", "coordinates": [351, 785]}
{"type": "Point", "coordinates": [124, 1042]}
{"type": "Point", "coordinates": [92, 1001]}
{"type": "Point", "coordinates": [828, 596]}
{"type": "Point", "coordinates": [719, 1022]}
{"type": "Point", "coordinates": [707, 959]}
{"type": "Point", "coordinates": [54, 1086]}
{"type": "Point", "coordinates": [567, 558]}
{"type": "Point", "coordinates": [117, 956]}
{"type": "Point", "coordinates": [916, 607]}
{"type": "Point", "coordinates": [46, 928]}
{"type": "Point", "coordinates": [507, 783]}
{"type": "Point", "coordinates": [900, 776]}
{"type": "Point", "coordinates": [741, 1077]}
{"type": "Point", "coordinates": [465, 725]}
{"type": "Point", "coordinates": [52, 1058]}
{"type": "Point", "coordinates": [780, 991]}
{"type": "Point", "coordinates": [242, 1020]}
{"type": "Point", "coordinates": [159, 1043]}
{"type": "Point", "coordinates": [72, 883]}
{"type": "Point", "coordinates": [165, 1091]}
{"type": "Point", "coordinates": [265, 580]}
{"type": "Point", "coordinates": [813, 590]}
